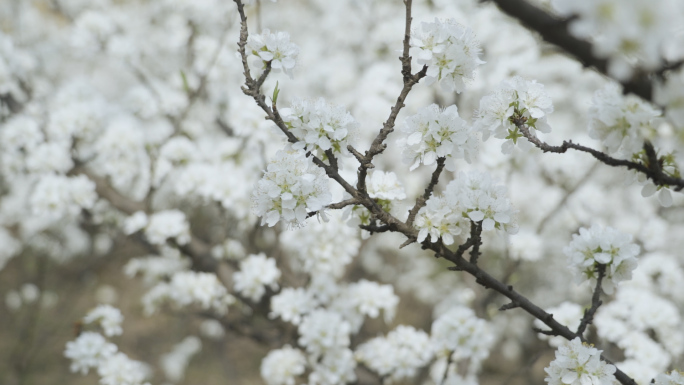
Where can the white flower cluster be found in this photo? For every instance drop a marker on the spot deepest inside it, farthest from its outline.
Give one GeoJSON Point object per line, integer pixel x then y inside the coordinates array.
{"type": "Point", "coordinates": [620, 122]}
{"type": "Point", "coordinates": [256, 273]}
{"type": "Point", "coordinates": [470, 197]}
{"type": "Point", "coordinates": [516, 99]}
{"type": "Point", "coordinates": [292, 304]}
{"type": "Point", "coordinates": [187, 288]}
{"type": "Point", "coordinates": [369, 298]}
{"type": "Point", "coordinates": [434, 133]}
{"type": "Point", "coordinates": [322, 331]}
{"type": "Point", "coordinates": [579, 364]}
{"type": "Point", "coordinates": [92, 351]}
{"type": "Point", "coordinates": [121, 370]}
{"type": "Point", "coordinates": [449, 50]}
{"type": "Point", "coordinates": [160, 226]}
{"type": "Point", "coordinates": [88, 351]}
{"type": "Point", "coordinates": [336, 367]}
{"type": "Point", "coordinates": [323, 250]}
{"type": "Point", "coordinates": [57, 196]}
{"type": "Point", "coordinates": [291, 187]}
{"type": "Point", "coordinates": [382, 186]}
{"type": "Point", "coordinates": [460, 335]}
{"type": "Point", "coordinates": [674, 378]}
{"type": "Point", "coordinates": [15, 68]}
{"type": "Point", "coordinates": [397, 356]}
{"type": "Point", "coordinates": [274, 48]}
{"type": "Point", "coordinates": [646, 326]}
{"type": "Point", "coordinates": [108, 317]}
{"type": "Point", "coordinates": [281, 366]}
{"type": "Point", "coordinates": [632, 33]}
{"type": "Point", "coordinates": [176, 361]}
{"type": "Point", "coordinates": [320, 126]}
{"type": "Point", "coordinates": [602, 246]}
{"type": "Point", "coordinates": [670, 95]}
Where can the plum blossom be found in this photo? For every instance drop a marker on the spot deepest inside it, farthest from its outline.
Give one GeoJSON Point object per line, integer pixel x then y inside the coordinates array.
{"type": "Point", "coordinates": [274, 48]}
{"type": "Point", "coordinates": [602, 246]}
{"type": "Point", "coordinates": [470, 197]}
{"type": "Point", "coordinates": [108, 317]}
{"type": "Point", "coordinates": [320, 126]}
{"type": "Point", "coordinates": [449, 50]}
{"type": "Point", "coordinates": [579, 364]}
{"type": "Point", "coordinates": [434, 133]}
{"type": "Point", "coordinates": [620, 122]}
{"type": "Point", "coordinates": [516, 99]}
{"type": "Point", "coordinates": [256, 273]}
{"type": "Point", "coordinates": [281, 366]}
{"type": "Point", "coordinates": [291, 187]}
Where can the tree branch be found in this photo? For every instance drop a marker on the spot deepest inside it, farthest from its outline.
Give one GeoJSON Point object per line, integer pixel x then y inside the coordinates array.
{"type": "Point", "coordinates": [595, 301]}
{"type": "Point", "coordinates": [422, 200]}
{"type": "Point", "coordinates": [652, 169]}
{"type": "Point", "coordinates": [554, 30]}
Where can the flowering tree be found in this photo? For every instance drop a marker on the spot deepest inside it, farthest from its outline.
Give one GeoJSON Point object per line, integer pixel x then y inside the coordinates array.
{"type": "Point", "coordinates": [292, 211]}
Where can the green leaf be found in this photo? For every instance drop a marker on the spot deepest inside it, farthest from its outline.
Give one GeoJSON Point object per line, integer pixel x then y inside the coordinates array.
{"type": "Point", "coordinates": [276, 91]}
{"type": "Point", "coordinates": [186, 87]}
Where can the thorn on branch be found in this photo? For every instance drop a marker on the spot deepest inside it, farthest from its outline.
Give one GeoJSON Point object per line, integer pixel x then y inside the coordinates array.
{"type": "Point", "coordinates": [407, 242]}
{"type": "Point", "coordinates": [510, 305]}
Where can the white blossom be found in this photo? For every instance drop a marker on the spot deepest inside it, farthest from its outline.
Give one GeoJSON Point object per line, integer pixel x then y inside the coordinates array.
{"type": "Point", "coordinates": [515, 99]}
{"type": "Point", "coordinates": [176, 361]}
{"type": "Point", "coordinates": [458, 333]}
{"type": "Point", "coordinates": [256, 273]}
{"type": "Point", "coordinates": [323, 330]}
{"type": "Point", "coordinates": [449, 50]}
{"type": "Point", "coordinates": [108, 317]}
{"type": "Point", "coordinates": [473, 196]}
{"type": "Point", "coordinates": [602, 246]}
{"type": "Point", "coordinates": [88, 351]}
{"type": "Point", "coordinates": [291, 304]}
{"type": "Point", "coordinates": [167, 224]}
{"type": "Point", "coordinates": [320, 126]}
{"type": "Point", "coordinates": [399, 355]}
{"type": "Point", "coordinates": [281, 366]}
{"type": "Point", "coordinates": [121, 370]}
{"type": "Point", "coordinates": [291, 187]}
{"type": "Point", "coordinates": [579, 364]}
{"type": "Point", "coordinates": [433, 133]}
{"type": "Point", "coordinates": [620, 122]}
{"type": "Point", "coordinates": [187, 288]}
{"type": "Point", "coordinates": [335, 367]}
{"type": "Point", "coordinates": [674, 378]}
{"type": "Point", "coordinates": [274, 48]}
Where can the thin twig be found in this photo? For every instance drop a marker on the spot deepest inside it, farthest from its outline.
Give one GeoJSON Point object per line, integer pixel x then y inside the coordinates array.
{"type": "Point", "coordinates": [422, 200]}
{"type": "Point", "coordinates": [652, 170]}
{"type": "Point", "coordinates": [595, 301]}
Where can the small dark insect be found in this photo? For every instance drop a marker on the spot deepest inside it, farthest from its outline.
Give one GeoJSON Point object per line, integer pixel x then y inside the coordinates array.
{"type": "Point", "coordinates": [78, 328]}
